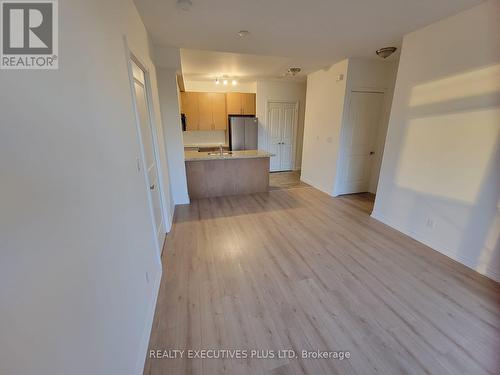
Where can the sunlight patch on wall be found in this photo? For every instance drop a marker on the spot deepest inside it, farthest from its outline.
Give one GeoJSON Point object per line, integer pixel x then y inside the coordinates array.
{"type": "Point", "coordinates": [448, 155]}
{"type": "Point", "coordinates": [474, 83]}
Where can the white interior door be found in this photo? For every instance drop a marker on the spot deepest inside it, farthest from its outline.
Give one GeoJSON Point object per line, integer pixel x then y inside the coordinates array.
{"type": "Point", "coordinates": [287, 135]}
{"type": "Point", "coordinates": [281, 135]}
{"type": "Point", "coordinates": [358, 138]}
{"type": "Point", "coordinates": [148, 148]}
{"type": "Point", "coordinates": [274, 136]}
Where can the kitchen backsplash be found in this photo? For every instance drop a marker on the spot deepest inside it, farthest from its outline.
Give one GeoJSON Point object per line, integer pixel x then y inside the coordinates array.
{"type": "Point", "coordinates": [204, 137]}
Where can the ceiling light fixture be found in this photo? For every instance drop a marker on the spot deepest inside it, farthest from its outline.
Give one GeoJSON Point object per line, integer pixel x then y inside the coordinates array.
{"type": "Point", "coordinates": [235, 82]}
{"type": "Point", "coordinates": [184, 5]}
{"type": "Point", "coordinates": [217, 81]}
{"type": "Point", "coordinates": [225, 82]}
{"type": "Point", "coordinates": [243, 33]}
{"type": "Point", "coordinates": [385, 52]}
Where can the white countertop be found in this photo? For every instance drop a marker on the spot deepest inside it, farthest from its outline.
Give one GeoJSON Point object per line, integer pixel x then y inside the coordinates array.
{"type": "Point", "coordinates": [246, 154]}
{"type": "Point", "coordinates": [201, 145]}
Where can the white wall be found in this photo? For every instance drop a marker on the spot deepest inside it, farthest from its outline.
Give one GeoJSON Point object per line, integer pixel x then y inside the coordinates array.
{"type": "Point", "coordinates": [440, 174]}
{"type": "Point", "coordinates": [365, 75]}
{"type": "Point", "coordinates": [172, 128]}
{"type": "Point", "coordinates": [210, 86]}
{"type": "Point", "coordinates": [322, 124]}
{"type": "Point", "coordinates": [280, 91]}
{"type": "Point", "coordinates": [204, 138]}
{"type": "Point", "coordinates": [75, 229]}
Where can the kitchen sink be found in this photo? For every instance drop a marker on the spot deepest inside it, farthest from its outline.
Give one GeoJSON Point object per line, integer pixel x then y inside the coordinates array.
{"type": "Point", "coordinates": [224, 153]}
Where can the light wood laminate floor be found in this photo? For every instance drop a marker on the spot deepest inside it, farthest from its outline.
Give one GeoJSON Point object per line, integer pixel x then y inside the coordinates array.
{"type": "Point", "coordinates": [285, 180]}
{"type": "Point", "coordinates": [297, 269]}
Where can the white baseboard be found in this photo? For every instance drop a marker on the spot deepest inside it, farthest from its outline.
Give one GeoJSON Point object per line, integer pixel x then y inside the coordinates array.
{"type": "Point", "coordinates": [439, 247]}
{"type": "Point", "coordinates": [320, 188]}
{"type": "Point", "coordinates": [143, 349]}
{"type": "Point", "coordinates": [183, 200]}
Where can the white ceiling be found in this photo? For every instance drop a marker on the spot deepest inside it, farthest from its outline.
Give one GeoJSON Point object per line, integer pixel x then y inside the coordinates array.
{"type": "Point", "coordinates": [198, 65]}
{"type": "Point", "coordinates": [308, 33]}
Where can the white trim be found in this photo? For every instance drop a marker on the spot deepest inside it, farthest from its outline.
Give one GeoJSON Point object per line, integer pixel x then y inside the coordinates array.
{"type": "Point", "coordinates": [148, 325]}
{"type": "Point", "coordinates": [314, 185]}
{"type": "Point", "coordinates": [130, 56]}
{"type": "Point", "coordinates": [345, 120]}
{"type": "Point", "coordinates": [439, 247]}
{"type": "Point", "coordinates": [295, 129]}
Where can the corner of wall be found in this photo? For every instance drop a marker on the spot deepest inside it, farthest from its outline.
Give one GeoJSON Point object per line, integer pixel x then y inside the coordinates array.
{"type": "Point", "coordinates": [148, 325]}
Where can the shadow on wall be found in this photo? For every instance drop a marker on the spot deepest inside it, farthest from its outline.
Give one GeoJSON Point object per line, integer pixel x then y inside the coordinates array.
{"type": "Point", "coordinates": [447, 176]}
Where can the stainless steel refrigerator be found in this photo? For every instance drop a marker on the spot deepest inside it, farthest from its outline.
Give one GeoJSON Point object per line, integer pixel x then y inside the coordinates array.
{"type": "Point", "coordinates": [243, 132]}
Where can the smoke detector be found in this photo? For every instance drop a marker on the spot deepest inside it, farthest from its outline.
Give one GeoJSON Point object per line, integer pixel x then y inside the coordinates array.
{"type": "Point", "coordinates": [243, 33]}
{"type": "Point", "coordinates": [385, 52]}
{"type": "Point", "coordinates": [294, 71]}
{"type": "Point", "coordinates": [184, 5]}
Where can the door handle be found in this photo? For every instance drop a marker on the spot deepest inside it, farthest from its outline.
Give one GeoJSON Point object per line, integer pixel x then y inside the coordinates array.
{"type": "Point", "coordinates": [152, 187]}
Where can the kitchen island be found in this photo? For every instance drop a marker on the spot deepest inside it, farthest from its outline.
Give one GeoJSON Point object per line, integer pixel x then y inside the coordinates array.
{"type": "Point", "coordinates": [215, 174]}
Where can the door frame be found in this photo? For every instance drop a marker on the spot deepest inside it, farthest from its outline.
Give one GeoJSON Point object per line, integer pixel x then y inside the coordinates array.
{"type": "Point", "coordinates": [345, 122]}
{"type": "Point", "coordinates": [295, 126]}
{"type": "Point", "coordinates": [141, 160]}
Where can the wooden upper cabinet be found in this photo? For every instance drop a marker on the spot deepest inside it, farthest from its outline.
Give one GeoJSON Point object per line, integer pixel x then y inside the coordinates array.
{"type": "Point", "coordinates": [209, 110]}
{"type": "Point", "coordinates": [240, 103]}
{"type": "Point", "coordinates": [233, 102]}
{"type": "Point", "coordinates": [189, 106]}
{"type": "Point", "coordinates": [219, 112]}
{"type": "Point", "coordinates": [248, 104]}
{"type": "Point", "coordinates": [205, 106]}
{"type": "Point", "coordinates": [204, 110]}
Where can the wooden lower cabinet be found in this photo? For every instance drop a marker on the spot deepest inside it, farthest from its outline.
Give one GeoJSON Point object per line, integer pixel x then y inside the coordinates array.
{"type": "Point", "coordinates": [216, 178]}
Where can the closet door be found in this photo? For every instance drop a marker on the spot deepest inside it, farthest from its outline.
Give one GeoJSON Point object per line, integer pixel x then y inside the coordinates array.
{"type": "Point", "coordinates": [281, 122]}
{"type": "Point", "coordinates": [287, 127]}
{"type": "Point", "coordinates": [358, 139]}
{"type": "Point", "coordinates": [274, 115]}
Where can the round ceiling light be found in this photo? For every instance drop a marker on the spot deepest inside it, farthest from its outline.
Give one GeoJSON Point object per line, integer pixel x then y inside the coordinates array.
{"type": "Point", "coordinates": [243, 33]}
{"type": "Point", "coordinates": [234, 82]}
{"type": "Point", "coordinates": [385, 52]}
